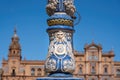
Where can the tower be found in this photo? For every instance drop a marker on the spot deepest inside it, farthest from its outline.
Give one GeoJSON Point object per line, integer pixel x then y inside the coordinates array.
{"type": "Point", "coordinates": [14, 55]}
{"type": "Point", "coordinates": [60, 60]}
{"type": "Point", "coordinates": [15, 48]}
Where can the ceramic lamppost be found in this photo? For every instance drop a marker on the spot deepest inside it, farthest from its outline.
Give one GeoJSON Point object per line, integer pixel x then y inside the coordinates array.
{"type": "Point", "coordinates": [60, 60]}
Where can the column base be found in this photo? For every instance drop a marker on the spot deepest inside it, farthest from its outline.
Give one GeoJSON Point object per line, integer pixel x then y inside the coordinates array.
{"type": "Point", "coordinates": [59, 78]}
{"type": "Point", "coordinates": [60, 75]}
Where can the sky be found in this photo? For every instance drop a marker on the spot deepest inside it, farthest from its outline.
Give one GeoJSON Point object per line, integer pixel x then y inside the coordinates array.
{"type": "Point", "coordinates": [100, 22]}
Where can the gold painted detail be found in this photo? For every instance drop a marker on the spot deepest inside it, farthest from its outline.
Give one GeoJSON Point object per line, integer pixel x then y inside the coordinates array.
{"type": "Point", "coordinates": [60, 22]}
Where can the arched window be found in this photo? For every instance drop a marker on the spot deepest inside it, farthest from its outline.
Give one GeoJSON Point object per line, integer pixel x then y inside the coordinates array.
{"type": "Point", "coordinates": [39, 71]}
{"type": "Point", "coordinates": [105, 69]}
{"type": "Point", "coordinates": [80, 69]}
{"type": "Point", "coordinates": [93, 69]}
{"type": "Point", "coordinates": [13, 72]}
{"type": "Point", "coordinates": [118, 72]}
{"type": "Point", "coordinates": [13, 52]}
{"type": "Point", "coordinates": [32, 72]}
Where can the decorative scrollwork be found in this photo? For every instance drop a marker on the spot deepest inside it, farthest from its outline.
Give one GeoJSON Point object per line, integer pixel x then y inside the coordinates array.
{"type": "Point", "coordinates": [60, 22]}
{"type": "Point", "coordinates": [50, 65]}
{"type": "Point", "coordinates": [69, 7]}
{"type": "Point", "coordinates": [60, 52]}
{"type": "Point", "coordinates": [56, 5]}
{"type": "Point", "coordinates": [51, 7]}
{"type": "Point", "coordinates": [68, 65]}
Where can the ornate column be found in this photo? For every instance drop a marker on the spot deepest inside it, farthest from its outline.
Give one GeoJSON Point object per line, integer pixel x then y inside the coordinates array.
{"type": "Point", "coordinates": [60, 60]}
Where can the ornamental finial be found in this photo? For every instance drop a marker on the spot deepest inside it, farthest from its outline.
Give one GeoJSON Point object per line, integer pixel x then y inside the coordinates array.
{"type": "Point", "coordinates": [15, 31]}
{"type": "Point", "coordinates": [66, 6]}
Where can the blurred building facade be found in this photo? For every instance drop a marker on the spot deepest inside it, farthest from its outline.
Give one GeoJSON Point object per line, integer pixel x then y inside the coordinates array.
{"type": "Point", "coordinates": [91, 64]}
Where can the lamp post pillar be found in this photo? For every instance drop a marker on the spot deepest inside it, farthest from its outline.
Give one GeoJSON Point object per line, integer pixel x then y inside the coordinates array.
{"type": "Point", "coordinates": [60, 60]}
